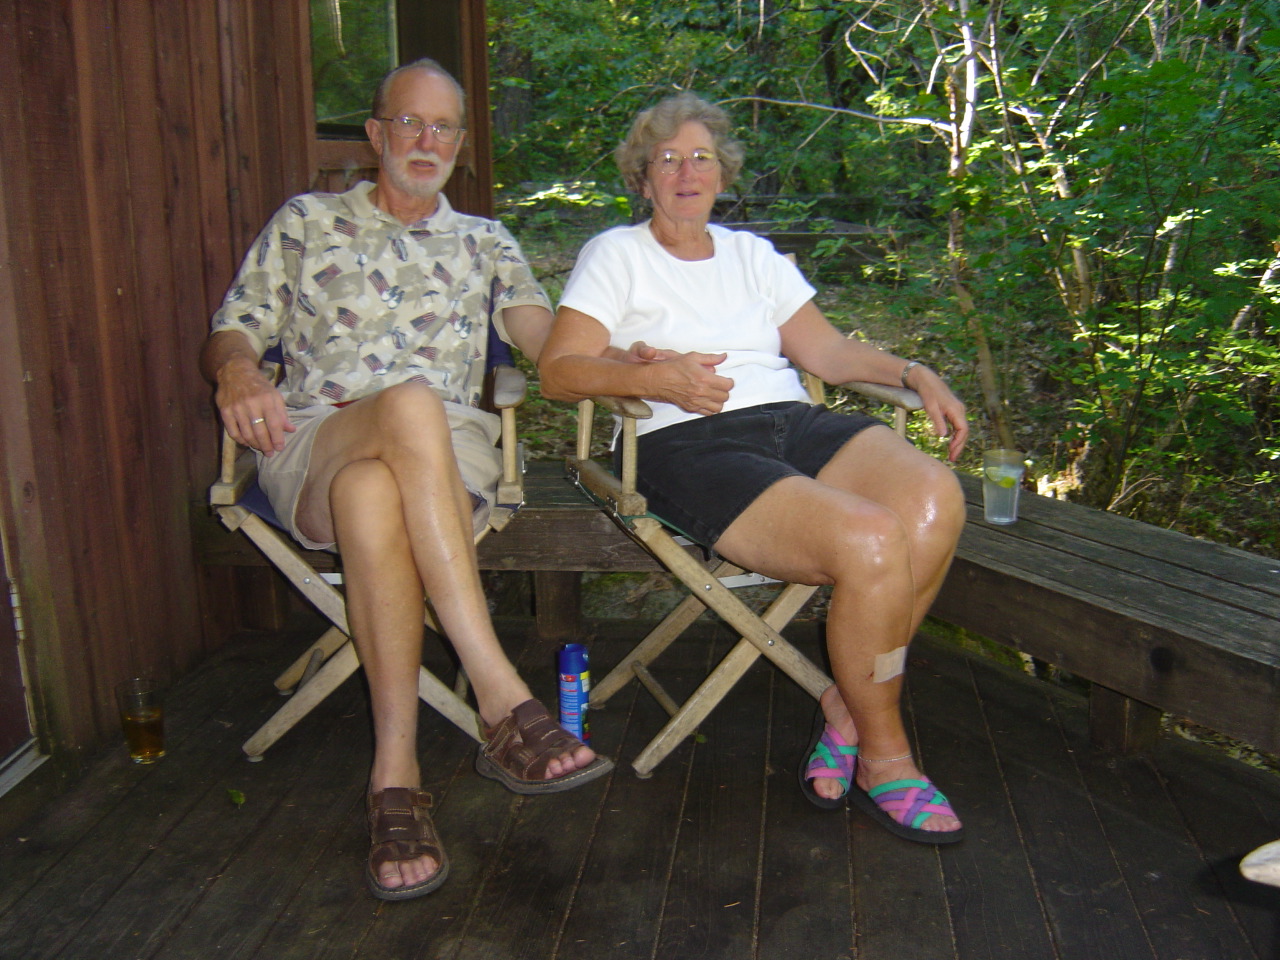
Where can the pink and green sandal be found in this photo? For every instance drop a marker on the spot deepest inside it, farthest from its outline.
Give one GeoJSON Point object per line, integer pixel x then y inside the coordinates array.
{"type": "Point", "coordinates": [902, 807]}
{"type": "Point", "coordinates": [829, 756]}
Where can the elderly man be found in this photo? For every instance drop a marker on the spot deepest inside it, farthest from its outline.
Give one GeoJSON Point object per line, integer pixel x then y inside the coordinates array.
{"type": "Point", "coordinates": [382, 298]}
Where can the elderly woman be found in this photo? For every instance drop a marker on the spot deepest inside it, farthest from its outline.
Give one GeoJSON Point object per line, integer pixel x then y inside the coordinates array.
{"type": "Point", "coordinates": [701, 322]}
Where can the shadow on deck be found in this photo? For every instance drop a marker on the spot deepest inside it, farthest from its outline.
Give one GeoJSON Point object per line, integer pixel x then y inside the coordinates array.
{"type": "Point", "coordinates": [1070, 854]}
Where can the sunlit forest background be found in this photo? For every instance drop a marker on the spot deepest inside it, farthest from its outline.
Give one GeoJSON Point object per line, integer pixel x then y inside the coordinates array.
{"type": "Point", "coordinates": [1070, 208]}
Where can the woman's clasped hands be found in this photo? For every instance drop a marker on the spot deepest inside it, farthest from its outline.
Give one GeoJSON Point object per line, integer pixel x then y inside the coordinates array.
{"type": "Point", "coordinates": [689, 380]}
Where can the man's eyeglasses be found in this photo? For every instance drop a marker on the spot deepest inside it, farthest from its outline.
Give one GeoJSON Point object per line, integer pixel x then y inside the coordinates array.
{"type": "Point", "coordinates": [670, 163]}
{"type": "Point", "coordinates": [411, 129]}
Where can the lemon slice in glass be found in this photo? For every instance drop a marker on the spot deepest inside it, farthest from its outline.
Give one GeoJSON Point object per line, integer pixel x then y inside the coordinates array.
{"type": "Point", "coordinates": [1000, 479]}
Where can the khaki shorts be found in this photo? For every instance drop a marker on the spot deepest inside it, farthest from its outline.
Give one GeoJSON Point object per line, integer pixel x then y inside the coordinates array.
{"type": "Point", "coordinates": [475, 434]}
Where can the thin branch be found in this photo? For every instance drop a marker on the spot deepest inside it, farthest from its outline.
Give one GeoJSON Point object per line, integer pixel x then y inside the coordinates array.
{"type": "Point", "coordinates": [938, 126]}
{"type": "Point", "coordinates": [1087, 77]}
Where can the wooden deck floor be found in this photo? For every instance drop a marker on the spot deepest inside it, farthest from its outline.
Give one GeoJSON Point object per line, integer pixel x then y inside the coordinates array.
{"type": "Point", "coordinates": [1069, 854]}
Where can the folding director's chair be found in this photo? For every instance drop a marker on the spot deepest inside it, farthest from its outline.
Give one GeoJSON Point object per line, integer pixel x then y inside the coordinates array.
{"type": "Point", "coordinates": [241, 505]}
{"type": "Point", "coordinates": [710, 585]}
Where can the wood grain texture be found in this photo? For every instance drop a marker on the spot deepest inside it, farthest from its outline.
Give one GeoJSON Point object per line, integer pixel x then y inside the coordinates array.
{"type": "Point", "coordinates": [1069, 853]}
{"type": "Point", "coordinates": [145, 147]}
{"type": "Point", "coordinates": [1189, 627]}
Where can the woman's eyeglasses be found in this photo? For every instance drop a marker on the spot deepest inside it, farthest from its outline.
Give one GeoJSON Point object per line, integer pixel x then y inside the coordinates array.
{"type": "Point", "coordinates": [670, 163]}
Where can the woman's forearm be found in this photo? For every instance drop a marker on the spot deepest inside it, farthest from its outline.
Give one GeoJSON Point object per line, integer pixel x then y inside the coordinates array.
{"type": "Point", "coordinates": [580, 377]}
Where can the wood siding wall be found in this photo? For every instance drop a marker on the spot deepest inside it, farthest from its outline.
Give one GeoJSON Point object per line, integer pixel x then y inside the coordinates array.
{"type": "Point", "coordinates": [144, 145]}
{"type": "Point", "coordinates": [127, 196]}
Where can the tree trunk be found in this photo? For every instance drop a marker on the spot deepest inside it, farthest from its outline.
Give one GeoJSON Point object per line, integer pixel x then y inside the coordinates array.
{"type": "Point", "coordinates": [962, 89]}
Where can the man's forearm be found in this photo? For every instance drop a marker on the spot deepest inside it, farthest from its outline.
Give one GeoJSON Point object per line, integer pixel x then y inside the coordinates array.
{"type": "Point", "coordinates": [223, 348]}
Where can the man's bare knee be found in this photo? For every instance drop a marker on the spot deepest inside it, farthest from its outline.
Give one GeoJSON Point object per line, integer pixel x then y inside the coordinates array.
{"type": "Point", "coordinates": [351, 490]}
{"type": "Point", "coordinates": [410, 409]}
{"type": "Point", "coordinates": [361, 481]}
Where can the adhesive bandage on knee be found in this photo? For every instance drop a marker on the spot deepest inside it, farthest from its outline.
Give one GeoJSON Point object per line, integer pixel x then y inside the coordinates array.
{"type": "Point", "coordinates": [890, 665]}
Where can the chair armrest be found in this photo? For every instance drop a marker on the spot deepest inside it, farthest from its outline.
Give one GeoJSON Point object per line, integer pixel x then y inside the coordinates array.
{"type": "Point", "coordinates": [239, 470]}
{"type": "Point", "coordinates": [898, 396]}
{"type": "Point", "coordinates": [632, 407]}
{"type": "Point", "coordinates": [510, 386]}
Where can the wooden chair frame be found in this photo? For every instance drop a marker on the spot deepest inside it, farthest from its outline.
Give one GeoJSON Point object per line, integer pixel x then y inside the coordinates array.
{"type": "Point", "coordinates": [708, 584]}
{"type": "Point", "coordinates": [328, 662]}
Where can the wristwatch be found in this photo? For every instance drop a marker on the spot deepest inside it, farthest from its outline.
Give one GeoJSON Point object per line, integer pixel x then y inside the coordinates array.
{"type": "Point", "coordinates": [907, 369]}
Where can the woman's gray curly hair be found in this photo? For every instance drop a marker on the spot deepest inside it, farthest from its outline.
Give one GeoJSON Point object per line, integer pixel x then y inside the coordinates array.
{"type": "Point", "coordinates": [663, 122]}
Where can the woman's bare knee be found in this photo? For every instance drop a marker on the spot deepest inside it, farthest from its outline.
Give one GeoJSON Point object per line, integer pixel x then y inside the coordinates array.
{"type": "Point", "coordinates": [863, 544]}
{"type": "Point", "coordinates": [946, 501]}
{"type": "Point", "coordinates": [876, 542]}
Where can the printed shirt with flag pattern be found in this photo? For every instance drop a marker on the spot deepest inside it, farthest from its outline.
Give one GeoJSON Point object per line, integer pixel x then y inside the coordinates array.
{"type": "Point", "coordinates": [359, 301]}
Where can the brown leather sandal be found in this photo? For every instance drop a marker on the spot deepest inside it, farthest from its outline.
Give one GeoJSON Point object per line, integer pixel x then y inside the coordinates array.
{"type": "Point", "coordinates": [517, 751]}
{"type": "Point", "coordinates": [400, 829]}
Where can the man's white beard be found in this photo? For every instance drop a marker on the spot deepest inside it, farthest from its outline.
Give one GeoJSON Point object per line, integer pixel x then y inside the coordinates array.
{"type": "Point", "coordinates": [415, 187]}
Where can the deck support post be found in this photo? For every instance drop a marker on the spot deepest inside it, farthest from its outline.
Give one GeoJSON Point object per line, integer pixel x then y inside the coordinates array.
{"type": "Point", "coordinates": [1120, 724]}
{"type": "Point", "coordinates": [557, 604]}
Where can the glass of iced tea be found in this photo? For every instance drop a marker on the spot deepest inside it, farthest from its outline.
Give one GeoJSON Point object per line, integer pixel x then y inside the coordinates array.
{"type": "Point", "coordinates": [142, 716]}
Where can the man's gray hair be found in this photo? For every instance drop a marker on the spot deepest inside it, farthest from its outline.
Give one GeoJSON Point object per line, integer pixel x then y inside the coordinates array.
{"type": "Point", "coordinates": [427, 65]}
{"type": "Point", "coordinates": [663, 122]}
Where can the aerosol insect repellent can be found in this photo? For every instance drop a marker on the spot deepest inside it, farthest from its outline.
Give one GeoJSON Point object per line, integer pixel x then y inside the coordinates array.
{"type": "Point", "coordinates": [575, 689]}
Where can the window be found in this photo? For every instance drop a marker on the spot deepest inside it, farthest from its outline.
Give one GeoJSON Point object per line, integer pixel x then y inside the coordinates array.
{"type": "Point", "coordinates": [355, 42]}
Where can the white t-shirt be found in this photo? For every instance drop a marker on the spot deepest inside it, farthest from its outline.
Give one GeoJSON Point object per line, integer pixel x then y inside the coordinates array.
{"type": "Point", "coordinates": [733, 303]}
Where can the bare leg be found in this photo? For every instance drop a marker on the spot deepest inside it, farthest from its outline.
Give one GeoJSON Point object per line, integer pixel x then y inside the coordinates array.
{"type": "Point", "coordinates": [384, 483]}
{"type": "Point", "coordinates": [879, 524]}
{"type": "Point", "coordinates": [386, 625]}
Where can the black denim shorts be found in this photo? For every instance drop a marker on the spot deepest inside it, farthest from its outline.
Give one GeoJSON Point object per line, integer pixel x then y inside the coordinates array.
{"type": "Point", "coordinates": [699, 475]}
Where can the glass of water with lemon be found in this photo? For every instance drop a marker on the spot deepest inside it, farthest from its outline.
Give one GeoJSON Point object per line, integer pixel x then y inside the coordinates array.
{"type": "Point", "coordinates": [1001, 480]}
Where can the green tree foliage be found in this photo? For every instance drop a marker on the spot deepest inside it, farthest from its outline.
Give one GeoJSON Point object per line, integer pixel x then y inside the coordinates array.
{"type": "Point", "coordinates": [1099, 180]}
{"type": "Point", "coordinates": [1132, 179]}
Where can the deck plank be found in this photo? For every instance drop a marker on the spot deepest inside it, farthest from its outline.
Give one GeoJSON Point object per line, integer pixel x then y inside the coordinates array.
{"type": "Point", "coordinates": [140, 806]}
{"type": "Point", "coordinates": [338, 918]}
{"type": "Point", "coordinates": [1208, 664]}
{"type": "Point", "coordinates": [898, 885]}
{"type": "Point", "coordinates": [994, 907]}
{"type": "Point", "coordinates": [1089, 910]}
{"type": "Point", "coordinates": [1200, 603]}
{"type": "Point", "coordinates": [1229, 810]}
{"type": "Point", "coordinates": [710, 910]}
{"type": "Point", "coordinates": [619, 910]}
{"type": "Point", "coordinates": [1140, 539]}
{"type": "Point", "coordinates": [539, 863]}
{"type": "Point", "coordinates": [178, 907]}
{"type": "Point", "coordinates": [535, 875]}
{"type": "Point", "coordinates": [40, 847]}
{"type": "Point", "coordinates": [1182, 915]}
{"type": "Point", "coordinates": [805, 892]}
{"type": "Point", "coordinates": [1078, 550]}
{"type": "Point", "coordinates": [1071, 854]}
